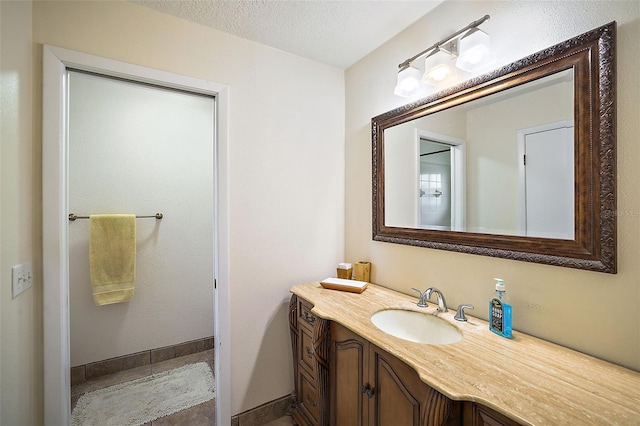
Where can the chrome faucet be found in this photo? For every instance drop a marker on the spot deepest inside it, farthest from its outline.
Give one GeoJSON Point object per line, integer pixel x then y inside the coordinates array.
{"type": "Point", "coordinates": [442, 304]}
{"type": "Point", "coordinates": [426, 295]}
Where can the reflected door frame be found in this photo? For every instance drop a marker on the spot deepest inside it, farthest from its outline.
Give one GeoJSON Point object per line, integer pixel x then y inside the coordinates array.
{"type": "Point", "coordinates": [458, 176]}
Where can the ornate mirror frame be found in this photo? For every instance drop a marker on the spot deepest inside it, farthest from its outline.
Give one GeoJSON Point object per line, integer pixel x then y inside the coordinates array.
{"type": "Point", "coordinates": [592, 57]}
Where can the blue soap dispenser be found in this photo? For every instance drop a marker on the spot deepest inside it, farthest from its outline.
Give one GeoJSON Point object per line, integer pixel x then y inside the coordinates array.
{"type": "Point", "coordinates": [500, 311]}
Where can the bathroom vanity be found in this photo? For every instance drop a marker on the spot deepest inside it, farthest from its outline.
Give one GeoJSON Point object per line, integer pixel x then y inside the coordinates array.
{"type": "Point", "coordinates": [349, 372]}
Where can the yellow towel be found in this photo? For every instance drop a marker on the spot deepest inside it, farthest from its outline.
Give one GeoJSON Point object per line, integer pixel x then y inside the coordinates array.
{"type": "Point", "coordinates": [112, 257]}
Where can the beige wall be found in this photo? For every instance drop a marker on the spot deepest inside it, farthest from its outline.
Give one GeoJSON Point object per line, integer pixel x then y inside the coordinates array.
{"type": "Point", "coordinates": [592, 312]}
{"type": "Point", "coordinates": [286, 179]}
{"type": "Point", "coordinates": [21, 351]}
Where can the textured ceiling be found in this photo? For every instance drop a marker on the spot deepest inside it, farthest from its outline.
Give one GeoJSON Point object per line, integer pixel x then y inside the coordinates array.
{"type": "Point", "coordinates": [334, 32]}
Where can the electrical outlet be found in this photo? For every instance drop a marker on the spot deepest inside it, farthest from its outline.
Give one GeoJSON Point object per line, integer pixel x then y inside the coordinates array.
{"type": "Point", "coordinates": [21, 278]}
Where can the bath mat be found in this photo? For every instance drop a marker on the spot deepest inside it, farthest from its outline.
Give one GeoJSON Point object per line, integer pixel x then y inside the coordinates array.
{"type": "Point", "coordinates": [143, 400]}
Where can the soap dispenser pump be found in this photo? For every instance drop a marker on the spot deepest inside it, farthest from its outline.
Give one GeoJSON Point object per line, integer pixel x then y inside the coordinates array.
{"type": "Point", "coordinates": [500, 311]}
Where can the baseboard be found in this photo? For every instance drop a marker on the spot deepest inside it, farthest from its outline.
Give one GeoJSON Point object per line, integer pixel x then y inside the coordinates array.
{"type": "Point", "coordinates": [263, 414]}
{"type": "Point", "coordinates": [81, 373]}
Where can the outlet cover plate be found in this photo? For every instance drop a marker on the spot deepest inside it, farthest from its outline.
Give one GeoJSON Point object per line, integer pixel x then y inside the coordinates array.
{"type": "Point", "coordinates": [21, 279]}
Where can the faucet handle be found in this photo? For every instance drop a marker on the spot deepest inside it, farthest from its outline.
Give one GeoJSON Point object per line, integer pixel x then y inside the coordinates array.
{"type": "Point", "coordinates": [460, 316]}
{"type": "Point", "coordinates": [422, 302]}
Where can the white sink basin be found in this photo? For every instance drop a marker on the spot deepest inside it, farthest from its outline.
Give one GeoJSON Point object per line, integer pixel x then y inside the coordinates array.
{"type": "Point", "coordinates": [416, 327]}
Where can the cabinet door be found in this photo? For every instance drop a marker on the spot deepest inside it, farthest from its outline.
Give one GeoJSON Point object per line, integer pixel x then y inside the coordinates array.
{"type": "Point", "coordinates": [347, 372]}
{"type": "Point", "coordinates": [400, 398]}
{"type": "Point", "coordinates": [397, 391]}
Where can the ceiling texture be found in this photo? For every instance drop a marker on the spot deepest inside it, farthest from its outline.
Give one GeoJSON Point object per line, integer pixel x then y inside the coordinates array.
{"type": "Point", "coordinates": [333, 32]}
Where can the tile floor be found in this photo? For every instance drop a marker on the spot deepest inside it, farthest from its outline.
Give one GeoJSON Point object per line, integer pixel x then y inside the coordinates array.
{"type": "Point", "coordinates": [203, 414]}
{"type": "Point", "coordinates": [200, 415]}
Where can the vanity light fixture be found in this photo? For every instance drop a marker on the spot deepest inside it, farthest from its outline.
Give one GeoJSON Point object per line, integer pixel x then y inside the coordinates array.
{"type": "Point", "coordinates": [470, 45]}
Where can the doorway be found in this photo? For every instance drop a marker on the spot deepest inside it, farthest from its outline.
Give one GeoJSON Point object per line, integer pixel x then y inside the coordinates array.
{"type": "Point", "coordinates": [441, 181]}
{"type": "Point", "coordinates": [435, 185]}
{"type": "Point", "coordinates": [56, 196]}
{"type": "Point", "coordinates": [142, 149]}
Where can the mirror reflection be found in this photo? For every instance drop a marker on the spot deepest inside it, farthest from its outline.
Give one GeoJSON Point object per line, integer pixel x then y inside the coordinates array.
{"type": "Point", "coordinates": [501, 164]}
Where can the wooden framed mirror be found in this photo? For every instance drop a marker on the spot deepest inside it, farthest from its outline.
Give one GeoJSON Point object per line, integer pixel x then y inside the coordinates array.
{"type": "Point", "coordinates": [520, 162]}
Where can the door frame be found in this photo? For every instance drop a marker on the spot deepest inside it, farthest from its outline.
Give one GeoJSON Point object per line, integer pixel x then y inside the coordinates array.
{"type": "Point", "coordinates": [55, 198]}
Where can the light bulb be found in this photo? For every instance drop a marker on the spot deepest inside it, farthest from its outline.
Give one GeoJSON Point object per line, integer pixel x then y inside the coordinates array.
{"type": "Point", "coordinates": [475, 54]}
{"type": "Point", "coordinates": [439, 73]}
{"type": "Point", "coordinates": [408, 84]}
{"type": "Point", "coordinates": [438, 68]}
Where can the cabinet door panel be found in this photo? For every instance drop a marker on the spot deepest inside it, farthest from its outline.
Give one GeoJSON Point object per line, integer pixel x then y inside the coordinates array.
{"type": "Point", "coordinates": [347, 376]}
{"type": "Point", "coordinates": [397, 391]}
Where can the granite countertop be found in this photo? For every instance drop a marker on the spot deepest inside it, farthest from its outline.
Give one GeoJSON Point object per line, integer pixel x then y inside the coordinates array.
{"type": "Point", "coordinates": [527, 379]}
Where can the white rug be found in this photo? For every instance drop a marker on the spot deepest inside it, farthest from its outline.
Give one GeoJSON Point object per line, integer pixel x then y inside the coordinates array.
{"type": "Point", "coordinates": [143, 400]}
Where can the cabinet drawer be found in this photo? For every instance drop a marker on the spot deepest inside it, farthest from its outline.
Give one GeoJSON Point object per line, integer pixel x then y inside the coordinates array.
{"type": "Point", "coordinates": [305, 351]}
{"type": "Point", "coordinates": [483, 416]}
{"type": "Point", "coordinates": [308, 397]}
{"type": "Point", "coordinates": [306, 318]}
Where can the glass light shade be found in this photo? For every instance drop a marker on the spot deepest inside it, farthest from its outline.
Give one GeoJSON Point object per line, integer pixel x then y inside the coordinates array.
{"type": "Point", "coordinates": [474, 51]}
{"type": "Point", "coordinates": [438, 68]}
{"type": "Point", "coordinates": [409, 83]}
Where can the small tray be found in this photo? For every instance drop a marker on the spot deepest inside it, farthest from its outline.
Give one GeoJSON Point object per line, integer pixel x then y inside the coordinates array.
{"type": "Point", "coordinates": [342, 284]}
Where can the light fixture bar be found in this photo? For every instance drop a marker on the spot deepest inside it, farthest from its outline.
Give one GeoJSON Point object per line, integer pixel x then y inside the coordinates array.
{"type": "Point", "coordinates": [444, 41]}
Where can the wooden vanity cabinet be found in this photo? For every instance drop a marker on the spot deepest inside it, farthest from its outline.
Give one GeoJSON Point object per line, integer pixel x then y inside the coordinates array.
{"type": "Point", "coordinates": [342, 379]}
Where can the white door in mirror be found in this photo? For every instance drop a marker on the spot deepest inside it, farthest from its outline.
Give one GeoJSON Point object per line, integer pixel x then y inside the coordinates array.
{"type": "Point", "coordinates": [548, 183]}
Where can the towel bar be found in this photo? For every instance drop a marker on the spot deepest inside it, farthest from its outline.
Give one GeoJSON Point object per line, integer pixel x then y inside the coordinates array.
{"type": "Point", "coordinates": [73, 217]}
